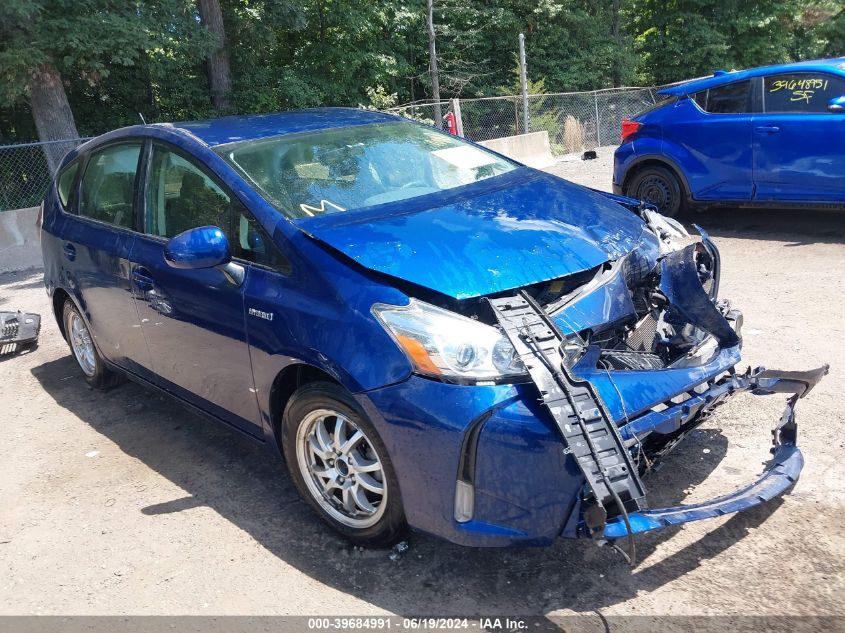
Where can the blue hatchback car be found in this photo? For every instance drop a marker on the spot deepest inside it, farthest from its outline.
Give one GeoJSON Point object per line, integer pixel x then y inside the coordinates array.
{"type": "Point", "coordinates": [771, 136]}
{"type": "Point", "coordinates": [431, 335]}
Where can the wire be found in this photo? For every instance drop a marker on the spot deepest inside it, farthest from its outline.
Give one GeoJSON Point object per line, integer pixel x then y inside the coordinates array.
{"type": "Point", "coordinates": [640, 450]}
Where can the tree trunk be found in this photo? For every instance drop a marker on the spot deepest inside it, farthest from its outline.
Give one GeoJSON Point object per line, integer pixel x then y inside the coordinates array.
{"type": "Point", "coordinates": [432, 54]}
{"type": "Point", "coordinates": [617, 46]}
{"type": "Point", "coordinates": [219, 75]}
{"type": "Point", "coordinates": [51, 113]}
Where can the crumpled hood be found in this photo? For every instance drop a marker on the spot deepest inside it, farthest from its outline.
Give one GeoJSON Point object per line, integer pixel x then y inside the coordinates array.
{"type": "Point", "coordinates": [514, 230]}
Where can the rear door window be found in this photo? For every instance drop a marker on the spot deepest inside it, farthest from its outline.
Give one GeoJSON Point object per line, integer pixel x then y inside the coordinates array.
{"type": "Point", "coordinates": [733, 98]}
{"type": "Point", "coordinates": [795, 93]}
{"type": "Point", "coordinates": [108, 186]}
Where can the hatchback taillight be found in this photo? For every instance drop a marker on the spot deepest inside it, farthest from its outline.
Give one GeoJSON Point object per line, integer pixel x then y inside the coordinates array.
{"type": "Point", "coordinates": [629, 128]}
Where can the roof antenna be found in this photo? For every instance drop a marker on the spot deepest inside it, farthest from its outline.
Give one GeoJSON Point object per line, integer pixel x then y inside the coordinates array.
{"type": "Point", "coordinates": [142, 118]}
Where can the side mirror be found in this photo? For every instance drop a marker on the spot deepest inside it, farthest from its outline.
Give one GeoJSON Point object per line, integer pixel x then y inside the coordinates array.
{"type": "Point", "coordinates": [837, 104]}
{"type": "Point", "coordinates": [202, 247]}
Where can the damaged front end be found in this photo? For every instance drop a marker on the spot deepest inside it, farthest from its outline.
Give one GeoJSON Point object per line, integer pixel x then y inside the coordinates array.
{"type": "Point", "coordinates": [633, 358]}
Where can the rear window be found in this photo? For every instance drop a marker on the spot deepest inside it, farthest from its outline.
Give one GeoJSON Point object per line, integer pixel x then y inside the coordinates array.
{"type": "Point", "coordinates": [731, 98]}
{"type": "Point", "coordinates": [660, 102]}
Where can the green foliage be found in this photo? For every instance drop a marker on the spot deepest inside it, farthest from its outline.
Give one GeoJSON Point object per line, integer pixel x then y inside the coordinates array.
{"type": "Point", "coordinates": [122, 58]}
{"type": "Point", "coordinates": [320, 52]}
{"type": "Point", "coordinates": [688, 38]}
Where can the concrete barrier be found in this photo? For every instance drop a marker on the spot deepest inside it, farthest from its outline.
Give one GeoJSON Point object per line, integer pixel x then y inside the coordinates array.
{"type": "Point", "coordinates": [20, 247]}
{"type": "Point", "coordinates": [531, 149]}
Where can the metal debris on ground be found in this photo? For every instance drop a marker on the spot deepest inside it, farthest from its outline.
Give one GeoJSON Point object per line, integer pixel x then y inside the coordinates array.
{"type": "Point", "coordinates": [398, 550]}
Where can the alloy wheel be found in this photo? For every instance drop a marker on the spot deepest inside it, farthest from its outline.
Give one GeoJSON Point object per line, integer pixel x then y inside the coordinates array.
{"type": "Point", "coordinates": [341, 468]}
{"type": "Point", "coordinates": [81, 344]}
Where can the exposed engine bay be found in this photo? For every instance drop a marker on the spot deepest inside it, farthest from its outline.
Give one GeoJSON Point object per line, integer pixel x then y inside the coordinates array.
{"type": "Point", "coordinates": [674, 320]}
{"type": "Point", "coordinates": [659, 303]}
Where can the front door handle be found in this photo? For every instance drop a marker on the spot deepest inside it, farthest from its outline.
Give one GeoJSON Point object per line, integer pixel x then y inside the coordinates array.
{"type": "Point", "coordinates": [767, 129]}
{"type": "Point", "coordinates": [142, 278]}
{"type": "Point", "coordinates": [69, 250]}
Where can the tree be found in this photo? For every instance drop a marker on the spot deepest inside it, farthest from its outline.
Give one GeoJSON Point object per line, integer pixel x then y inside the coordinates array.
{"type": "Point", "coordinates": [86, 66]}
{"type": "Point", "coordinates": [689, 38]}
{"type": "Point", "coordinates": [48, 45]}
{"type": "Point", "coordinates": [219, 74]}
{"type": "Point", "coordinates": [432, 57]}
{"type": "Point", "coordinates": [617, 41]}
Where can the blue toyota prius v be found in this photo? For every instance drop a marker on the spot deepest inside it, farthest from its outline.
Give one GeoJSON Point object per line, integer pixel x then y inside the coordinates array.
{"type": "Point", "coordinates": [772, 136]}
{"type": "Point", "coordinates": [431, 335]}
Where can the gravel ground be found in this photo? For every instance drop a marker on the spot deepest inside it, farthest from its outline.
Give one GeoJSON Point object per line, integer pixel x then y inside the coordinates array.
{"type": "Point", "coordinates": [124, 503]}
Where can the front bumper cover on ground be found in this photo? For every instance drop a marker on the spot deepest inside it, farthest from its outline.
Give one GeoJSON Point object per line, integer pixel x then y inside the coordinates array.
{"type": "Point", "coordinates": [18, 331]}
{"type": "Point", "coordinates": [780, 473]}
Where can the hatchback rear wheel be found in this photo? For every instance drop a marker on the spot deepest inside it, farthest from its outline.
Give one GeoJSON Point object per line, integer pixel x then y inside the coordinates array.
{"type": "Point", "coordinates": [660, 187]}
{"type": "Point", "coordinates": [85, 352]}
{"type": "Point", "coordinates": [340, 465]}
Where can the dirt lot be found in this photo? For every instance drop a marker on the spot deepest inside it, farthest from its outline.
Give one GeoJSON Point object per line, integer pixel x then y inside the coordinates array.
{"type": "Point", "coordinates": [123, 503]}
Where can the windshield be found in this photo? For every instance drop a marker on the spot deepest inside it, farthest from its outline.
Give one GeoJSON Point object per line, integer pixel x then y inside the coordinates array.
{"type": "Point", "coordinates": [341, 169]}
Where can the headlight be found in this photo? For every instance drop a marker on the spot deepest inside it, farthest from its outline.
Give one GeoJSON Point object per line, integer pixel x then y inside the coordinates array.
{"type": "Point", "coordinates": [444, 344]}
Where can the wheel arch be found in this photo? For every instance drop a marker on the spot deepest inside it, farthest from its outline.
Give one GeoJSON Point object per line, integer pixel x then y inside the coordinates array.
{"type": "Point", "coordinates": [285, 384]}
{"type": "Point", "coordinates": [60, 296]}
{"type": "Point", "coordinates": [657, 160]}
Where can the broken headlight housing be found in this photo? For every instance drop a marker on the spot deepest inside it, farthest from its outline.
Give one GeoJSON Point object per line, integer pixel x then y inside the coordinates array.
{"type": "Point", "coordinates": [446, 345]}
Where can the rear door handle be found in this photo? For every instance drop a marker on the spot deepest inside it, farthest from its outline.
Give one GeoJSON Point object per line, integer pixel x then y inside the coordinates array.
{"type": "Point", "coordinates": [69, 250]}
{"type": "Point", "coordinates": [142, 278]}
{"type": "Point", "coordinates": [767, 129]}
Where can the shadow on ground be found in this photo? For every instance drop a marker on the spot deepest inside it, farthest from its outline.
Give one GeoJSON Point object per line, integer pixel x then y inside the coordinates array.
{"type": "Point", "coordinates": [246, 485]}
{"type": "Point", "coordinates": [796, 227]}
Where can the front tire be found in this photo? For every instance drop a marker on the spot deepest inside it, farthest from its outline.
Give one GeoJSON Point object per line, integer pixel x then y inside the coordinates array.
{"type": "Point", "coordinates": [660, 187]}
{"type": "Point", "coordinates": [340, 465]}
{"type": "Point", "coordinates": [85, 352]}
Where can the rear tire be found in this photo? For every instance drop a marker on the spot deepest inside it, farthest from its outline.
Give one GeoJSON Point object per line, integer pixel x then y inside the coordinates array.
{"type": "Point", "coordinates": [661, 187]}
{"type": "Point", "coordinates": [349, 482]}
{"type": "Point", "coordinates": [84, 351]}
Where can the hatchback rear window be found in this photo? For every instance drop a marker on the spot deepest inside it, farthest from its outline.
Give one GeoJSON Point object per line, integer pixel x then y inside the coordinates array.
{"type": "Point", "coordinates": [342, 169]}
{"type": "Point", "coordinates": [660, 102]}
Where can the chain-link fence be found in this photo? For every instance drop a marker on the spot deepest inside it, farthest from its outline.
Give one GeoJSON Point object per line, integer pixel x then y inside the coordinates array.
{"type": "Point", "coordinates": [26, 170]}
{"type": "Point", "coordinates": [575, 121]}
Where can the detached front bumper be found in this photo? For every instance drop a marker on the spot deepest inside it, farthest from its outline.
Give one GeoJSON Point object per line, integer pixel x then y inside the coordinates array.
{"type": "Point", "coordinates": [779, 475]}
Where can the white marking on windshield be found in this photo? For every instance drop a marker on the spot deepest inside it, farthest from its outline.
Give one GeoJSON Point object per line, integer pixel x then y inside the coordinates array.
{"type": "Point", "coordinates": [309, 210]}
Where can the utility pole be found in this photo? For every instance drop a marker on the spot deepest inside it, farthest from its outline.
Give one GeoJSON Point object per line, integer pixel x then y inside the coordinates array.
{"type": "Point", "coordinates": [617, 45]}
{"type": "Point", "coordinates": [432, 54]}
{"type": "Point", "coordinates": [523, 80]}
